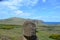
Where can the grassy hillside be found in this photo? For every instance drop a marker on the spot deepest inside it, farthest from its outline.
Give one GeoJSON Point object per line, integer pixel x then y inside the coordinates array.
{"type": "Point", "coordinates": [17, 21]}
{"type": "Point", "coordinates": [15, 31]}
{"type": "Point", "coordinates": [12, 27]}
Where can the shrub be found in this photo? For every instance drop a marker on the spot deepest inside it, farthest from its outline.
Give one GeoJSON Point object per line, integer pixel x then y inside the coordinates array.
{"type": "Point", "coordinates": [55, 36]}
{"type": "Point", "coordinates": [9, 26]}
{"type": "Point", "coordinates": [6, 27]}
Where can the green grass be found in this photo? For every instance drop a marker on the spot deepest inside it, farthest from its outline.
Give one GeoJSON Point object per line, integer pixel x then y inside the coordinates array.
{"type": "Point", "coordinates": [5, 26]}
{"type": "Point", "coordinates": [15, 31]}
{"type": "Point", "coordinates": [43, 35]}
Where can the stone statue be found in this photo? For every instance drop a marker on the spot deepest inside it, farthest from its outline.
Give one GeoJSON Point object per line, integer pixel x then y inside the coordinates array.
{"type": "Point", "coordinates": [29, 30]}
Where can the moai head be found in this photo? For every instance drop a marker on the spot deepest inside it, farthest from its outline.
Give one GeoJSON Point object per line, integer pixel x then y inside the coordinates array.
{"type": "Point", "coordinates": [29, 28]}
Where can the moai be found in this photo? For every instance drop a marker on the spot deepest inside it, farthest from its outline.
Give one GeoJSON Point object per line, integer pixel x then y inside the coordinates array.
{"type": "Point", "coordinates": [29, 30]}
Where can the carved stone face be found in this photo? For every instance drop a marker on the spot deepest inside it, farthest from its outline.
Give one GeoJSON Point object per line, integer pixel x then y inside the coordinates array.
{"type": "Point", "coordinates": [29, 29]}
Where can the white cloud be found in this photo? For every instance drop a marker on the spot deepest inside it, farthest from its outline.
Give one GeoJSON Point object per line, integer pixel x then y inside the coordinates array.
{"type": "Point", "coordinates": [11, 4]}
{"type": "Point", "coordinates": [38, 17]}
{"type": "Point", "coordinates": [14, 5]}
{"type": "Point", "coordinates": [20, 3]}
{"type": "Point", "coordinates": [34, 2]}
{"type": "Point", "coordinates": [43, 1]}
{"type": "Point", "coordinates": [18, 12]}
{"type": "Point", "coordinates": [21, 13]}
{"type": "Point", "coordinates": [46, 17]}
{"type": "Point", "coordinates": [56, 7]}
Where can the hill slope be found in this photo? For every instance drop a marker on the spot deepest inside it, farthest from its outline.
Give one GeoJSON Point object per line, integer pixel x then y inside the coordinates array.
{"type": "Point", "coordinates": [17, 21]}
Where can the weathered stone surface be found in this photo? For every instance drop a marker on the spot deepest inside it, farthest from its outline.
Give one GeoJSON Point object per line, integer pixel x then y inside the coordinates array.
{"type": "Point", "coordinates": [29, 30]}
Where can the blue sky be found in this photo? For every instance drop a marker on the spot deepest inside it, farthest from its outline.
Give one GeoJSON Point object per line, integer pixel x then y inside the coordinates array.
{"type": "Point", "coordinates": [46, 10]}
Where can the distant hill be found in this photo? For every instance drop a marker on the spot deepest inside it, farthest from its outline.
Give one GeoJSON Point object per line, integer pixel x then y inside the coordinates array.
{"type": "Point", "coordinates": [18, 21]}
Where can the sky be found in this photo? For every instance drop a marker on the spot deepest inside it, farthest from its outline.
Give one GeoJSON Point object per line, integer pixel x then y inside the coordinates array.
{"type": "Point", "coordinates": [46, 10]}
